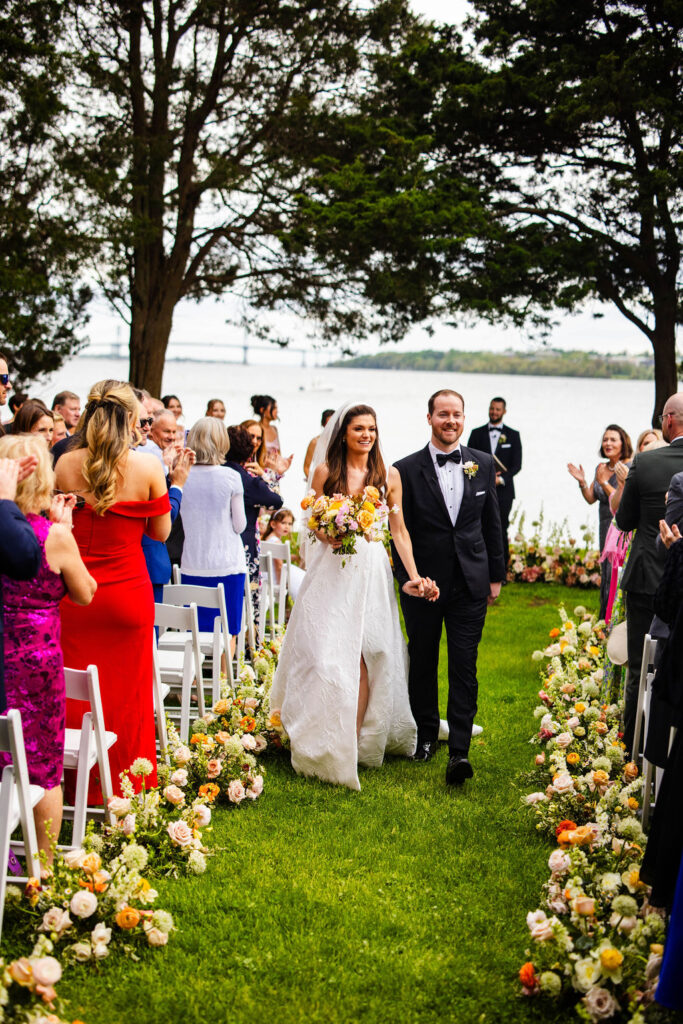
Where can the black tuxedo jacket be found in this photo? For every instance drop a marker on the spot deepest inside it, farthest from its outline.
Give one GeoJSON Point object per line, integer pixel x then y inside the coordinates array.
{"type": "Point", "coordinates": [475, 541]}
{"type": "Point", "coordinates": [508, 450]}
{"type": "Point", "coordinates": [642, 506]}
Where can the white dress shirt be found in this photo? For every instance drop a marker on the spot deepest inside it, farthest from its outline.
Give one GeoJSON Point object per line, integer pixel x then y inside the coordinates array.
{"type": "Point", "coordinates": [495, 430]}
{"type": "Point", "coordinates": [451, 481]}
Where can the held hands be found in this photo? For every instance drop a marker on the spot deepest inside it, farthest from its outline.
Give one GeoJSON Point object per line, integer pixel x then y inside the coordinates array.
{"type": "Point", "coordinates": [422, 587]}
{"type": "Point", "coordinates": [669, 534]}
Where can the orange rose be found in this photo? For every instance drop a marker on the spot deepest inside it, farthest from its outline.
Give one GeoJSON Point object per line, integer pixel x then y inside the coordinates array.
{"type": "Point", "coordinates": [600, 778]}
{"type": "Point", "coordinates": [601, 728]}
{"type": "Point", "coordinates": [630, 771]}
{"type": "Point", "coordinates": [554, 632]}
{"type": "Point", "coordinates": [92, 862]}
{"type": "Point", "coordinates": [632, 803]}
{"type": "Point", "coordinates": [275, 720]}
{"type": "Point", "coordinates": [222, 737]}
{"type": "Point", "coordinates": [197, 738]}
{"type": "Point", "coordinates": [210, 790]}
{"type": "Point", "coordinates": [584, 906]}
{"type": "Point", "coordinates": [128, 918]}
{"type": "Point", "coordinates": [365, 520]}
{"type": "Point", "coordinates": [248, 723]}
{"type": "Point", "coordinates": [566, 824]}
{"type": "Point", "coordinates": [582, 836]}
{"type": "Point", "coordinates": [579, 707]}
{"type": "Point", "coordinates": [372, 493]}
{"type": "Point", "coordinates": [527, 975]}
{"type": "Point", "coordinates": [573, 758]}
{"type": "Point", "coordinates": [221, 707]}
{"type": "Point", "coordinates": [564, 838]}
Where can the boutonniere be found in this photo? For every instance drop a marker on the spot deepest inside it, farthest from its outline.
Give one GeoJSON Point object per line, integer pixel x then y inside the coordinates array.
{"type": "Point", "coordinates": [470, 469]}
{"type": "Point", "coordinates": [502, 438]}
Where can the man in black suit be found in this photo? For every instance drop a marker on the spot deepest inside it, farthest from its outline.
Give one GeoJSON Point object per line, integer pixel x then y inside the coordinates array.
{"type": "Point", "coordinates": [451, 512]}
{"type": "Point", "coordinates": [505, 444]}
{"type": "Point", "coordinates": [642, 506]}
{"type": "Point", "coordinates": [19, 547]}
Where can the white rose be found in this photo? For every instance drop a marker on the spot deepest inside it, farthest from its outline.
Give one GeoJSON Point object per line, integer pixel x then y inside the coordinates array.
{"type": "Point", "coordinates": [56, 920]}
{"type": "Point", "coordinates": [559, 862]}
{"type": "Point", "coordinates": [180, 833]}
{"type": "Point", "coordinates": [260, 744]}
{"type": "Point", "coordinates": [100, 950]}
{"type": "Point", "coordinates": [156, 937]}
{"type": "Point", "coordinates": [256, 788]}
{"type": "Point", "coordinates": [563, 783]}
{"type": "Point", "coordinates": [101, 933]}
{"type": "Point", "coordinates": [119, 805]}
{"type": "Point", "coordinates": [174, 795]}
{"type": "Point", "coordinates": [81, 951]}
{"type": "Point", "coordinates": [563, 739]}
{"type": "Point", "coordinates": [600, 1004]}
{"type": "Point", "coordinates": [236, 792]}
{"type": "Point", "coordinates": [573, 722]}
{"type": "Point", "coordinates": [47, 970]}
{"type": "Point", "coordinates": [586, 973]}
{"type": "Point", "coordinates": [179, 777]}
{"type": "Point", "coordinates": [182, 755]}
{"type": "Point", "coordinates": [248, 742]}
{"type": "Point", "coordinates": [83, 903]}
{"type": "Point", "coordinates": [539, 925]}
{"type": "Point", "coordinates": [535, 798]}
{"type": "Point", "coordinates": [202, 815]}
{"type": "Point", "coordinates": [128, 825]}
{"type": "Point", "coordinates": [74, 858]}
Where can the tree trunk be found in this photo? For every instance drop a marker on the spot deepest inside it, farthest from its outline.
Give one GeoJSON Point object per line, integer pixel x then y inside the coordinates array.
{"type": "Point", "coordinates": [150, 330]}
{"type": "Point", "coordinates": [666, 369]}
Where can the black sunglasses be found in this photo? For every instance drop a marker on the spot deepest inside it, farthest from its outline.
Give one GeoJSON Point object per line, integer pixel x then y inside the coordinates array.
{"type": "Point", "coordinates": [80, 500]}
{"type": "Point", "coordinates": [147, 421]}
{"type": "Point", "coordinates": [4, 379]}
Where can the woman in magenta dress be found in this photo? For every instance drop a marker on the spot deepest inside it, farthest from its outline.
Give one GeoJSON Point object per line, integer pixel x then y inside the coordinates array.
{"type": "Point", "coordinates": [34, 671]}
{"type": "Point", "coordinates": [125, 496]}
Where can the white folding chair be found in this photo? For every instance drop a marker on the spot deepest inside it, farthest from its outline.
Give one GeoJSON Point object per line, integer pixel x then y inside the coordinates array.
{"type": "Point", "coordinates": [180, 668]}
{"type": "Point", "coordinates": [267, 606]}
{"type": "Point", "coordinates": [282, 552]}
{"type": "Point", "coordinates": [647, 669]}
{"type": "Point", "coordinates": [214, 644]}
{"type": "Point", "coordinates": [161, 692]}
{"type": "Point", "coordinates": [86, 747]}
{"type": "Point", "coordinates": [17, 800]}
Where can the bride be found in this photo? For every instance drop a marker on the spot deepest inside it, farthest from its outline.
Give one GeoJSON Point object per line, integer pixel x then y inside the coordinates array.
{"type": "Point", "coordinates": [342, 681]}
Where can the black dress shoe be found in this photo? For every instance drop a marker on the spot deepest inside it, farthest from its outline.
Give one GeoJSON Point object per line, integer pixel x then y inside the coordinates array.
{"type": "Point", "coordinates": [458, 769]}
{"type": "Point", "coordinates": [425, 751]}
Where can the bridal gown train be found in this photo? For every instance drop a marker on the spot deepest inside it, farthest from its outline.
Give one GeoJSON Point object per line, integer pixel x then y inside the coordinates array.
{"type": "Point", "coordinates": [341, 612]}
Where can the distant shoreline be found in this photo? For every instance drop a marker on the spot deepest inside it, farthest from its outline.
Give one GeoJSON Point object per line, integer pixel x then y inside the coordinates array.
{"type": "Point", "coordinates": [545, 363]}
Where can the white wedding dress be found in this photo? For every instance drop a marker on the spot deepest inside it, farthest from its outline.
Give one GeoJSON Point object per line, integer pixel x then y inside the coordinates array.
{"type": "Point", "coordinates": [341, 612]}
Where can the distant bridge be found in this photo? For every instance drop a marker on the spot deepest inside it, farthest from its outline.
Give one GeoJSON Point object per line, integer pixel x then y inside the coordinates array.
{"type": "Point", "coordinates": [215, 351]}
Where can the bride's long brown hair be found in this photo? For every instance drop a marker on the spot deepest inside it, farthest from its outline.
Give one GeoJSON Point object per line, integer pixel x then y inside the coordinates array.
{"type": "Point", "coordinates": [336, 482]}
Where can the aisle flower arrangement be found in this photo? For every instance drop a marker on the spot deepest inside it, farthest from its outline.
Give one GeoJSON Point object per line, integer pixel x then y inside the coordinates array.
{"type": "Point", "coordinates": [595, 940]}
{"type": "Point", "coordinates": [27, 988]}
{"type": "Point", "coordinates": [559, 559]}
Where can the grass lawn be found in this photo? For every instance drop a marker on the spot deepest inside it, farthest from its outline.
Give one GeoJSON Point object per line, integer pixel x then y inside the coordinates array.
{"type": "Point", "coordinates": [405, 902]}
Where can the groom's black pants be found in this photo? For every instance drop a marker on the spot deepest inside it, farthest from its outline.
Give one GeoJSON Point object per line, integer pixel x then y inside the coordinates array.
{"type": "Point", "coordinates": [463, 617]}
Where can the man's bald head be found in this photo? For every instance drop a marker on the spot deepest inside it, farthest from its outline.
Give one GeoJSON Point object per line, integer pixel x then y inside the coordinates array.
{"type": "Point", "coordinates": [672, 417]}
{"type": "Point", "coordinates": [163, 429]}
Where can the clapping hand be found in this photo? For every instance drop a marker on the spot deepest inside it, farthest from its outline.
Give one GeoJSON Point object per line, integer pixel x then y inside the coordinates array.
{"type": "Point", "coordinates": [253, 468]}
{"type": "Point", "coordinates": [278, 463]}
{"type": "Point", "coordinates": [669, 534]}
{"type": "Point", "coordinates": [621, 470]}
{"type": "Point", "coordinates": [12, 472]}
{"type": "Point", "coordinates": [181, 468]}
{"type": "Point", "coordinates": [603, 473]}
{"type": "Point", "coordinates": [577, 472]}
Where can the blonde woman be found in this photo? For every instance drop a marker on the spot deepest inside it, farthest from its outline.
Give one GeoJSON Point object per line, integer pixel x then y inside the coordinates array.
{"type": "Point", "coordinates": [59, 432]}
{"type": "Point", "coordinates": [213, 519]}
{"type": "Point", "coordinates": [121, 496]}
{"type": "Point", "coordinates": [34, 670]}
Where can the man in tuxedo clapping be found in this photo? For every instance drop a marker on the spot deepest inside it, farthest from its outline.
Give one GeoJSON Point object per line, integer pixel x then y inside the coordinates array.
{"type": "Point", "coordinates": [505, 445]}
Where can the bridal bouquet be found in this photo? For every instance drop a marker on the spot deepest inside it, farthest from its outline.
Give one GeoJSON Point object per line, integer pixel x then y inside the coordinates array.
{"type": "Point", "coordinates": [347, 517]}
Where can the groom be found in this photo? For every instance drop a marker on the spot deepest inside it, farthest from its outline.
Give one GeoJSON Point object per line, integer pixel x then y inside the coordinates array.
{"type": "Point", "coordinates": [451, 512]}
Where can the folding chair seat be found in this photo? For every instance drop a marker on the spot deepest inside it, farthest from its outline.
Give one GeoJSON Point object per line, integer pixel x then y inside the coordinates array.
{"type": "Point", "coordinates": [180, 668]}
{"type": "Point", "coordinates": [267, 607]}
{"type": "Point", "coordinates": [214, 644]}
{"type": "Point", "coordinates": [86, 747]}
{"type": "Point", "coordinates": [17, 800]}
{"type": "Point", "coordinates": [282, 552]}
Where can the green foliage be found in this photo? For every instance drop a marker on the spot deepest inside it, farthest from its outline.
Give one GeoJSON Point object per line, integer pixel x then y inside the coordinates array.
{"type": "Point", "coordinates": [42, 302]}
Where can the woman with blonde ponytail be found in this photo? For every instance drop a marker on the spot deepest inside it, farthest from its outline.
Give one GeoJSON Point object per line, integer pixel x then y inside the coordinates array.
{"type": "Point", "coordinates": [119, 497]}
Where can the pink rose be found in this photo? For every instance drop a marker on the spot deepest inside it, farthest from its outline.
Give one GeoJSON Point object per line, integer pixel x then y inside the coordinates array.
{"type": "Point", "coordinates": [236, 792]}
{"type": "Point", "coordinates": [563, 740]}
{"type": "Point", "coordinates": [128, 825]}
{"type": "Point", "coordinates": [539, 926]}
{"type": "Point", "coordinates": [182, 755]}
{"type": "Point", "coordinates": [180, 833]}
{"type": "Point", "coordinates": [535, 798]}
{"type": "Point", "coordinates": [256, 788]}
{"type": "Point", "coordinates": [47, 970]}
{"type": "Point", "coordinates": [260, 744]}
{"type": "Point", "coordinates": [559, 862]}
{"type": "Point", "coordinates": [600, 1003]}
{"type": "Point", "coordinates": [155, 937]}
{"type": "Point", "coordinates": [174, 795]}
{"type": "Point", "coordinates": [248, 742]}
{"type": "Point", "coordinates": [563, 783]}
{"type": "Point", "coordinates": [213, 768]}
{"type": "Point", "coordinates": [573, 722]}
{"type": "Point", "coordinates": [118, 805]}
{"type": "Point", "coordinates": [251, 702]}
{"type": "Point", "coordinates": [543, 696]}
{"type": "Point", "coordinates": [540, 759]}
{"type": "Point", "coordinates": [179, 777]}
{"type": "Point", "coordinates": [202, 815]}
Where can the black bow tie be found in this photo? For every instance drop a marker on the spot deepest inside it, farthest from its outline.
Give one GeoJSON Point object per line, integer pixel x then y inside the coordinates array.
{"type": "Point", "coordinates": [493, 427]}
{"type": "Point", "coordinates": [451, 457]}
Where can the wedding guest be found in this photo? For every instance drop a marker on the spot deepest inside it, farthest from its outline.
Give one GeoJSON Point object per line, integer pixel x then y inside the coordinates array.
{"type": "Point", "coordinates": [124, 495]}
{"type": "Point", "coordinates": [162, 440]}
{"type": "Point", "coordinates": [213, 520]}
{"type": "Point", "coordinates": [314, 440]}
{"type": "Point", "coordinates": [617, 449]}
{"type": "Point", "coordinates": [642, 507]}
{"type": "Point", "coordinates": [255, 431]}
{"type": "Point", "coordinates": [34, 417]}
{"type": "Point", "coordinates": [215, 407]}
{"type": "Point", "coordinates": [279, 529]}
{"type": "Point", "coordinates": [19, 547]}
{"type": "Point", "coordinates": [156, 553]}
{"type": "Point", "coordinates": [5, 384]}
{"type": "Point", "coordinates": [15, 403]}
{"type": "Point", "coordinates": [257, 495]}
{"type": "Point", "coordinates": [265, 407]}
{"type": "Point", "coordinates": [152, 405]}
{"type": "Point", "coordinates": [505, 445]}
{"type": "Point", "coordinates": [173, 404]}
{"type": "Point", "coordinates": [69, 405]}
{"type": "Point", "coordinates": [59, 432]}
{"type": "Point", "coordinates": [34, 669]}
{"type": "Point", "coordinates": [646, 437]}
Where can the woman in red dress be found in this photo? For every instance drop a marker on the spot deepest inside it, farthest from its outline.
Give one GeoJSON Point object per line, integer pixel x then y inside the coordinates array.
{"type": "Point", "coordinates": [125, 496]}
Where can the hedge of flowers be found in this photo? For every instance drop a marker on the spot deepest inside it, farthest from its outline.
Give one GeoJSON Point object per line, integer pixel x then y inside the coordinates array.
{"type": "Point", "coordinates": [560, 559]}
{"type": "Point", "coordinates": [98, 900]}
{"type": "Point", "coordinates": [596, 942]}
